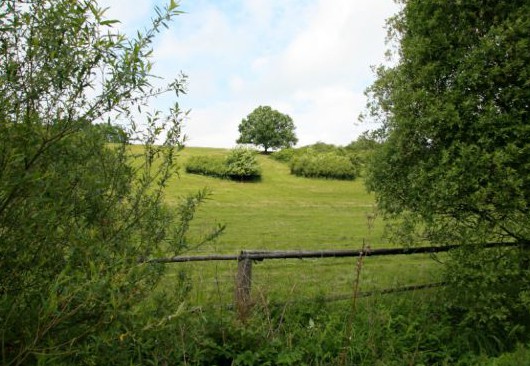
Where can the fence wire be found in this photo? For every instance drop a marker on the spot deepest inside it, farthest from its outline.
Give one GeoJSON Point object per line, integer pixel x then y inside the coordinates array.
{"type": "Point", "coordinates": [287, 280]}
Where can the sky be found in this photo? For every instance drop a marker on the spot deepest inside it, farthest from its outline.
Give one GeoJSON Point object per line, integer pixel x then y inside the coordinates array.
{"type": "Point", "coordinates": [310, 59]}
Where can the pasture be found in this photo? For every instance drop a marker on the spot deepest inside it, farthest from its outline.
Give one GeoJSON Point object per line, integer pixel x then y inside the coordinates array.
{"type": "Point", "coordinates": [284, 212]}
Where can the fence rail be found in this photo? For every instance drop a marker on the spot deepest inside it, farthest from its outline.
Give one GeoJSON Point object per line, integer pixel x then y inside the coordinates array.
{"type": "Point", "coordinates": [341, 253]}
{"type": "Point", "coordinates": [243, 281]}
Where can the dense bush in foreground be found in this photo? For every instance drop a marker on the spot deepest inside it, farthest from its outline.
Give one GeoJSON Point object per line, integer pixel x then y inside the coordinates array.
{"type": "Point", "coordinates": [453, 168]}
{"type": "Point", "coordinates": [239, 164]}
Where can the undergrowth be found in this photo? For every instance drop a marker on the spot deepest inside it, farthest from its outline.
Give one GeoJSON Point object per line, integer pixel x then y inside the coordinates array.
{"type": "Point", "coordinates": [404, 329]}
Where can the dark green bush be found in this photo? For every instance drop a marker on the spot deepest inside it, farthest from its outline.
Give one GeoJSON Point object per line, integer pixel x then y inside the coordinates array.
{"type": "Point", "coordinates": [77, 213]}
{"type": "Point", "coordinates": [325, 165]}
{"type": "Point", "coordinates": [239, 164]}
{"type": "Point", "coordinates": [488, 294]}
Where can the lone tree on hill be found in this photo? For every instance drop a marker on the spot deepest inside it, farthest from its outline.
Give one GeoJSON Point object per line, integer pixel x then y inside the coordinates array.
{"type": "Point", "coordinates": [268, 128]}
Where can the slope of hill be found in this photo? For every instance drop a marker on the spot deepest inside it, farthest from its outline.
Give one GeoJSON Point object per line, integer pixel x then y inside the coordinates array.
{"type": "Point", "coordinates": [284, 212]}
{"type": "Point", "coordinates": [281, 211]}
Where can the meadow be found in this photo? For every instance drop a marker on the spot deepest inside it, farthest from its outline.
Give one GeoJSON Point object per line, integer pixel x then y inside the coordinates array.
{"type": "Point", "coordinates": [285, 212]}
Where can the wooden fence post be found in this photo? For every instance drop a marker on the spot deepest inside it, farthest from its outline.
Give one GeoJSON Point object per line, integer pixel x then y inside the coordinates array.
{"type": "Point", "coordinates": [243, 285]}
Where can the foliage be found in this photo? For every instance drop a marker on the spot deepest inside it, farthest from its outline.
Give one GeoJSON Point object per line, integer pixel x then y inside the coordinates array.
{"type": "Point", "coordinates": [488, 293]}
{"type": "Point", "coordinates": [268, 128]}
{"type": "Point", "coordinates": [321, 160]}
{"type": "Point", "coordinates": [455, 118]}
{"type": "Point", "coordinates": [75, 213]}
{"type": "Point", "coordinates": [394, 330]}
{"type": "Point", "coordinates": [285, 155]}
{"type": "Point", "coordinates": [239, 164]}
{"type": "Point", "coordinates": [521, 356]}
{"type": "Point", "coordinates": [320, 147]}
{"type": "Point", "coordinates": [210, 165]}
{"type": "Point", "coordinates": [454, 165]}
{"type": "Point", "coordinates": [367, 141]}
{"type": "Point", "coordinates": [325, 165]}
{"type": "Point", "coordinates": [112, 133]}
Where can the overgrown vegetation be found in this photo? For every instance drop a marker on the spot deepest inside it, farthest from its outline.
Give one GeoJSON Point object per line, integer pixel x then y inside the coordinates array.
{"type": "Point", "coordinates": [76, 214]}
{"type": "Point", "coordinates": [325, 165]}
{"type": "Point", "coordinates": [394, 330]}
{"type": "Point", "coordinates": [239, 164]}
{"type": "Point", "coordinates": [112, 133]}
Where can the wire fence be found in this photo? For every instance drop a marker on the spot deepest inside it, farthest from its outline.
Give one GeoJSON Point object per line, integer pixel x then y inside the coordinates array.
{"type": "Point", "coordinates": [242, 279]}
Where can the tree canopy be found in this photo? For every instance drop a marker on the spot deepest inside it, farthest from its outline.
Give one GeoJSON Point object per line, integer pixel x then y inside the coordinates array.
{"type": "Point", "coordinates": [455, 111]}
{"type": "Point", "coordinates": [454, 166]}
{"type": "Point", "coordinates": [268, 128]}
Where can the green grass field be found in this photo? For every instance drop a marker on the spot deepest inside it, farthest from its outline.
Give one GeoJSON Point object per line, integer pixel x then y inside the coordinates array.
{"type": "Point", "coordinates": [284, 212]}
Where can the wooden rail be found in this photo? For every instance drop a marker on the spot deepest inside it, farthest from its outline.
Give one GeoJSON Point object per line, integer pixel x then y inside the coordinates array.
{"type": "Point", "coordinates": [245, 258]}
{"type": "Point", "coordinates": [341, 253]}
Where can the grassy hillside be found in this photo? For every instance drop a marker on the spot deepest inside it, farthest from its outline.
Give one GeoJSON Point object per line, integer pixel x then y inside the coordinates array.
{"type": "Point", "coordinates": [284, 212]}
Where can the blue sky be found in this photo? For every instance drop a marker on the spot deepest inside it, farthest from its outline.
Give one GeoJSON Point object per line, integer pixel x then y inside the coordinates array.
{"type": "Point", "coordinates": [307, 58]}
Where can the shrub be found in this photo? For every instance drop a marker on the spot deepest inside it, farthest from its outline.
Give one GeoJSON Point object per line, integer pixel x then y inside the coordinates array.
{"type": "Point", "coordinates": [488, 294]}
{"type": "Point", "coordinates": [239, 164]}
{"type": "Point", "coordinates": [321, 147]}
{"type": "Point", "coordinates": [325, 165]}
{"type": "Point", "coordinates": [210, 165]}
{"type": "Point", "coordinates": [388, 330]}
{"type": "Point", "coordinates": [284, 155]}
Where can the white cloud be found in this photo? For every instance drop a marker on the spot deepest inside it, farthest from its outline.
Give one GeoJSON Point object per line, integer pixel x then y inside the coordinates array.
{"type": "Point", "coordinates": [338, 45]}
{"type": "Point", "coordinates": [328, 115]}
{"type": "Point", "coordinates": [216, 125]}
{"type": "Point", "coordinates": [308, 58]}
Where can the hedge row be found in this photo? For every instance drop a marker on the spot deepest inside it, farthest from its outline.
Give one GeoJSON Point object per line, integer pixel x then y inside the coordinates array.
{"type": "Point", "coordinates": [325, 165]}
{"type": "Point", "coordinates": [321, 160]}
{"type": "Point", "coordinates": [239, 164]}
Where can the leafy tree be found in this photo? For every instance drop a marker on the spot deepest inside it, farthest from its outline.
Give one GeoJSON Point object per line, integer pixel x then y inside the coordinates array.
{"type": "Point", "coordinates": [455, 108]}
{"type": "Point", "coordinates": [367, 141]}
{"type": "Point", "coordinates": [455, 113]}
{"type": "Point", "coordinates": [268, 128]}
{"type": "Point", "coordinates": [112, 133]}
{"type": "Point", "coordinates": [76, 213]}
